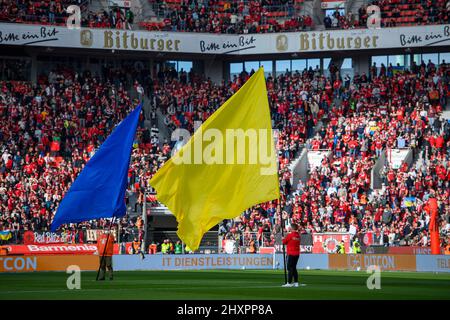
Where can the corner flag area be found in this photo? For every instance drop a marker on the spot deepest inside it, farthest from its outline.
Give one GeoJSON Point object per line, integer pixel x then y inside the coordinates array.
{"type": "Point", "coordinates": [226, 284]}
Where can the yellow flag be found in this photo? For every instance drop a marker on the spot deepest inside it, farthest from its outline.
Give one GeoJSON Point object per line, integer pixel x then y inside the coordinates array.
{"type": "Point", "coordinates": [227, 166]}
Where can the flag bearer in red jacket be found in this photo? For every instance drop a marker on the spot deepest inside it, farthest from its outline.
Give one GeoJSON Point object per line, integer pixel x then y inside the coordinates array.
{"type": "Point", "coordinates": [292, 242]}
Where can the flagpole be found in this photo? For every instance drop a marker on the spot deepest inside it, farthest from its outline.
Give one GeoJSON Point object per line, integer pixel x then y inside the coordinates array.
{"type": "Point", "coordinates": [284, 251]}
{"type": "Point", "coordinates": [104, 250]}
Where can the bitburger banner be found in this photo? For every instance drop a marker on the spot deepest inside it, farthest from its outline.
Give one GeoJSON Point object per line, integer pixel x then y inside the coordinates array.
{"type": "Point", "coordinates": [186, 42]}
{"type": "Point", "coordinates": [306, 243]}
{"type": "Point", "coordinates": [59, 249]}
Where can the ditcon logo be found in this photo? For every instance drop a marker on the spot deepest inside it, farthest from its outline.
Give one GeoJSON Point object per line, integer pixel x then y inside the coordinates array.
{"type": "Point", "coordinates": [357, 262]}
{"type": "Point", "coordinates": [14, 264]}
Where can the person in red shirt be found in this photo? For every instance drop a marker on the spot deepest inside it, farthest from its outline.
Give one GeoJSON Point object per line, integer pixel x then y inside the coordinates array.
{"type": "Point", "coordinates": [292, 242]}
{"type": "Point", "coordinates": [439, 142]}
{"type": "Point", "coordinates": [105, 249]}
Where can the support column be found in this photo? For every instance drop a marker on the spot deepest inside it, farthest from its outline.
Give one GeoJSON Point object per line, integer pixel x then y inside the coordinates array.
{"type": "Point", "coordinates": [361, 63]}
{"type": "Point", "coordinates": [33, 74]}
{"type": "Point", "coordinates": [213, 68]}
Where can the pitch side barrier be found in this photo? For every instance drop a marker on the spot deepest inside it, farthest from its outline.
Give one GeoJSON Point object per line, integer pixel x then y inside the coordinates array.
{"type": "Point", "coordinates": [386, 262]}
{"type": "Point", "coordinates": [357, 262]}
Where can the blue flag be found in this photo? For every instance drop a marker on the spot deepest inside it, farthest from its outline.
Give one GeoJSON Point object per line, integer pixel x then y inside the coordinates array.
{"type": "Point", "coordinates": [99, 190]}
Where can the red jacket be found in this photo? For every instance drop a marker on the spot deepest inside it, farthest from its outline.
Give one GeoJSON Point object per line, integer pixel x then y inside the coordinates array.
{"type": "Point", "coordinates": [292, 241]}
{"type": "Point", "coordinates": [105, 241]}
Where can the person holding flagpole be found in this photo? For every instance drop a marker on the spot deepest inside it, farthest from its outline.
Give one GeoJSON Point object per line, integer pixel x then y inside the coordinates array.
{"type": "Point", "coordinates": [292, 242]}
{"type": "Point", "coordinates": [105, 249]}
{"type": "Point", "coordinates": [99, 190]}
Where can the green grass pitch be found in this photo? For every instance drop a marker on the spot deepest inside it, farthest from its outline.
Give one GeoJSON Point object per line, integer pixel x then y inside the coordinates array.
{"type": "Point", "coordinates": [225, 284]}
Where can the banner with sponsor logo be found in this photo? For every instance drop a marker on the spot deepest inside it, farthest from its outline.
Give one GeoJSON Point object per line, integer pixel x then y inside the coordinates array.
{"type": "Point", "coordinates": [60, 249]}
{"type": "Point", "coordinates": [39, 249]}
{"type": "Point", "coordinates": [374, 249]}
{"type": "Point", "coordinates": [186, 42]}
{"type": "Point", "coordinates": [421, 263]}
{"type": "Point", "coordinates": [92, 234]}
{"type": "Point", "coordinates": [363, 261]}
{"type": "Point", "coordinates": [194, 261]}
{"type": "Point", "coordinates": [34, 237]}
{"type": "Point", "coordinates": [328, 242]}
{"type": "Point", "coordinates": [306, 243]}
{"type": "Point", "coordinates": [433, 263]}
{"type": "Point", "coordinates": [411, 250]}
{"type": "Point", "coordinates": [366, 238]}
{"type": "Point", "coordinates": [46, 263]}
{"type": "Point", "coordinates": [216, 261]}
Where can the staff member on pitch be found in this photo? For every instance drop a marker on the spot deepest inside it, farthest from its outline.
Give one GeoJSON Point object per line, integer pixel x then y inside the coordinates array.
{"type": "Point", "coordinates": [292, 241]}
{"type": "Point", "coordinates": [105, 247]}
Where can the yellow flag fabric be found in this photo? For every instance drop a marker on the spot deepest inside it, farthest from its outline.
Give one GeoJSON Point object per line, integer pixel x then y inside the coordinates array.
{"type": "Point", "coordinates": [227, 166]}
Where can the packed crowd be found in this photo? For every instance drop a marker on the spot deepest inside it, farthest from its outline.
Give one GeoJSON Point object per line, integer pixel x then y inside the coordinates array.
{"type": "Point", "coordinates": [408, 13]}
{"type": "Point", "coordinates": [39, 163]}
{"type": "Point", "coordinates": [50, 129]}
{"type": "Point", "coordinates": [114, 18]}
{"type": "Point", "coordinates": [54, 13]}
{"type": "Point", "coordinates": [402, 110]}
{"type": "Point", "coordinates": [231, 17]}
{"type": "Point", "coordinates": [337, 20]}
{"type": "Point", "coordinates": [293, 114]}
{"type": "Point", "coordinates": [37, 11]}
{"type": "Point", "coordinates": [380, 111]}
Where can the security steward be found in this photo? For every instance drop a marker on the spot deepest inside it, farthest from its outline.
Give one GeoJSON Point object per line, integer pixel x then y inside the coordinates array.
{"type": "Point", "coordinates": [341, 247]}
{"type": "Point", "coordinates": [105, 248]}
{"type": "Point", "coordinates": [356, 246]}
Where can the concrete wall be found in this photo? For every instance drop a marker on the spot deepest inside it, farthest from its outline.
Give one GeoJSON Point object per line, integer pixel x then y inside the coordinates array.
{"type": "Point", "coordinates": [397, 156]}
{"type": "Point", "coordinates": [361, 63]}
{"type": "Point", "coordinates": [375, 174]}
{"type": "Point", "coordinates": [300, 169]}
{"type": "Point", "coordinates": [214, 69]}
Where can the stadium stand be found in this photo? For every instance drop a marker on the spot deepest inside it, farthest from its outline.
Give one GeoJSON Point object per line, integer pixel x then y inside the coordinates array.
{"type": "Point", "coordinates": [54, 13]}
{"type": "Point", "coordinates": [230, 17]}
{"type": "Point", "coordinates": [50, 130]}
{"type": "Point", "coordinates": [412, 12]}
{"type": "Point", "coordinates": [375, 114]}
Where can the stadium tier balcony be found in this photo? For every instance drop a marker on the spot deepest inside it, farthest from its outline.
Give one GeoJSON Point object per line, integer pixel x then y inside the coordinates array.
{"type": "Point", "coordinates": [53, 12]}
{"type": "Point", "coordinates": [228, 16]}
{"type": "Point", "coordinates": [233, 16]}
{"type": "Point", "coordinates": [410, 12]}
{"type": "Point", "coordinates": [46, 12]}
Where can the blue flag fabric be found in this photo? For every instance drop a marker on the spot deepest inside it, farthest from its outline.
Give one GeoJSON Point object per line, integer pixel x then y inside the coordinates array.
{"type": "Point", "coordinates": [99, 190]}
